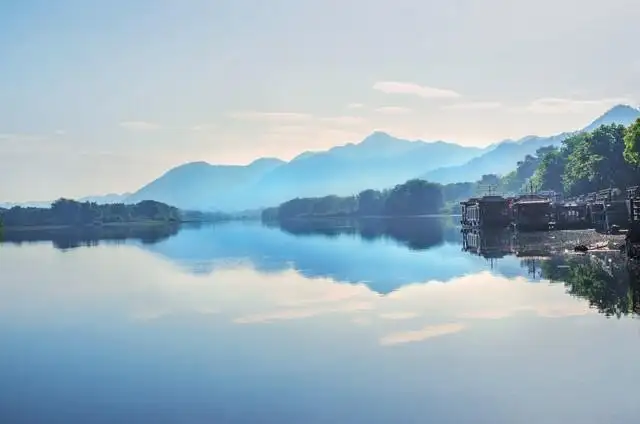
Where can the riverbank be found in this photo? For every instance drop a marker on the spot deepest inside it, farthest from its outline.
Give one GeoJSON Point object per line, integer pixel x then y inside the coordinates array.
{"type": "Point", "coordinates": [564, 241]}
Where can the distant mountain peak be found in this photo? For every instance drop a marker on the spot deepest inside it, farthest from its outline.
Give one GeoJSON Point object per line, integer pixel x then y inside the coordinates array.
{"type": "Point", "coordinates": [380, 133]}
{"type": "Point", "coordinates": [379, 138]}
{"type": "Point", "coordinates": [619, 114]}
{"type": "Point", "coordinates": [622, 108]}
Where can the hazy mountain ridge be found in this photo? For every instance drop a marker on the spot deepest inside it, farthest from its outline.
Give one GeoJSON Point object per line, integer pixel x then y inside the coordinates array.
{"type": "Point", "coordinates": [200, 185]}
{"type": "Point", "coordinates": [503, 158]}
{"type": "Point", "coordinates": [380, 160]}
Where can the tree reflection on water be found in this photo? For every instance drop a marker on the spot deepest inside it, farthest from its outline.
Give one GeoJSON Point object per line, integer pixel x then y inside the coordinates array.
{"type": "Point", "coordinates": [87, 236]}
{"type": "Point", "coordinates": [609, 283]}
{"type": "Point", "coordinates": [414, 233]}
{"type": "Point", "coordinates": [606, 280]}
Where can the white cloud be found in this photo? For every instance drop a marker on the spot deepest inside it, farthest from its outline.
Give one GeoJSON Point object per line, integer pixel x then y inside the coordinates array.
{"type": "Point", "coordinates": [344, 120]}
{"type": "Point", "coordinates": [473, 106]}
{"type": "Point", "coordinates": [290, 129]}
{"type": "Point", "coordinates": [425, 333]}
{"type": "Point", "coordinates": [140, 125]}
{"type": "Point", "coordinates": [355, 105]}
{"type": "Point", "coordinates": [60, 132]}
{"type": "Point", "coordinates": [202, 127]}
{"type": "Point", "coordinates": [547, 311]}
{"type": "Point", "coordinates": [270, 116]}
{"type": "Point", "coordinates": [396, 316]}
{"type": "Point", "coordinates": [395, 87]}
{"type": "Point", "coordinates": [298, 313]}
{"type": "Point", "coordinates": [562, 105]}
{"type": "Point", "coordinates": [393, 110]}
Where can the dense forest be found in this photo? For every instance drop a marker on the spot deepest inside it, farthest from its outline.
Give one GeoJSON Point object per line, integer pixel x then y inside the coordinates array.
{"type": "Point", "coordinates": [64, 212]}
{"type": "Point", "coordinates": [607, 157]}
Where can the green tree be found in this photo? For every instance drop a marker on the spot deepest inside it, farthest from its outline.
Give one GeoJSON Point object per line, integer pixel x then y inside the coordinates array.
{"type": "Point", "coordinates": [415, 197]}
{"type": "Point", "coordinates": [370, 203]}
{"type": "Point", "coordinates": [549, 173]}
{"type": "Point", "coordinates": [489, 180]}
{"type": "Point", "coordinates": [632, 143]}
{"type": "Point", "coordinates": [519, 179]}
{"type": "Point", "coordinates": [596, 160]}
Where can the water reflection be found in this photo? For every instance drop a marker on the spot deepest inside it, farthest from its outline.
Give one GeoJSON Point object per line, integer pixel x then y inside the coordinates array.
{"type": "Point", "coordinates": [414, 233]}
{"type": "Point", "coordinates": [494, 244]}
{"type": "Point", "coordinates": [606, 280]}
{"type": "Point", "coordinates": [373, 252]}
{"type": "Point", "coordinates": [383, 255]}
{"type": "Point", "coordinates": [73, 237]}
{"type": "Point", "coordinates": [267, 330]}
{"type": "Point", "coordinates": [609, 283]}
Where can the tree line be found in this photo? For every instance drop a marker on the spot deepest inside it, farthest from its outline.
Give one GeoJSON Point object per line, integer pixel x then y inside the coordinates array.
{"type": "Point", "coordinates": [70, 212]}
{"type": "Point", "coordinates": [413, 198]}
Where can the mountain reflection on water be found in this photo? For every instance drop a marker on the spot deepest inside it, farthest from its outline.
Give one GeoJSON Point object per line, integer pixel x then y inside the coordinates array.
{"type": "Point", "coordinates": [384, 254]}
{"type": "Point", "coordinates": [336, 322]}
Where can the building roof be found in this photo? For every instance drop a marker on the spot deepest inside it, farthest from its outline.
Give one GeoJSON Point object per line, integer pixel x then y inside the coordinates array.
{"type": "Point", "coordinates": [533, 202]}
{"type": "Point", "coordinates": [492, 198]}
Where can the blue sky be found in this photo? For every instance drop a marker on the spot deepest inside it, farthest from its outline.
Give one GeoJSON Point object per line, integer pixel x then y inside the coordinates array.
{"type": "Point", "coordinates": [103, 96]}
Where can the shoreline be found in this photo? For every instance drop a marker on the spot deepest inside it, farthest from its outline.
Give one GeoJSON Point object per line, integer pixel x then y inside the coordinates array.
{"type": "Point", "coordinates": [356, 217]}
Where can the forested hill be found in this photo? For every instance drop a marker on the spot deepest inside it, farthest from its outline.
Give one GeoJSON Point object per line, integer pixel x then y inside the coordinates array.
{"type": "Point", "coordinates": [608, 156]}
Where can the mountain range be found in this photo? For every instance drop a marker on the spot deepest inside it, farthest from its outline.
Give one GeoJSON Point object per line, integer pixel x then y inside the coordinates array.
{"type": "Point", "coordinates": [379, 161]}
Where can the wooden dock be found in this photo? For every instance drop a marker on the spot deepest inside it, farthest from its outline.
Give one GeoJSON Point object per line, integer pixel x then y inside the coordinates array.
{"type": "Point", "coordinates": [607, 210]}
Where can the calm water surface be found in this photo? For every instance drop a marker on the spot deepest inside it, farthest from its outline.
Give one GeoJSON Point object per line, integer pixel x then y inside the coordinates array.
{"type": "Point", "coordinates": [386, 322]}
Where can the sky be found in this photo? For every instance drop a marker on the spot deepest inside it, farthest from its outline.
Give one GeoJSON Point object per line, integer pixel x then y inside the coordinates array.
{"type": "Point", "coordinates": [104, 96]}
